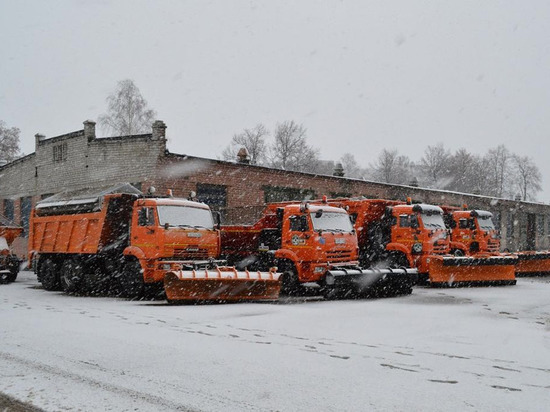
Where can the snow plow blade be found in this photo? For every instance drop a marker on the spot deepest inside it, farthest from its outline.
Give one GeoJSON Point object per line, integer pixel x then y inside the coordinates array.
{"type": "Point", "coordinates": [357, 282]}
{"type": "Point", "coordinates": [221, 284]}
{"type": "Point", "coordinates": [533, 263]}
{"type": "Point", "coordinates": [470, 271]}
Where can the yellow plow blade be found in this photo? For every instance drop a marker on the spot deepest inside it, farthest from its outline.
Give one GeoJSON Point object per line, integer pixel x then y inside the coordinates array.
{"type": "Point", "coordinates": [221, 284]}
{"type": "Point", "coordinates": [467, 270]}
{"type": "Point", "coordinates": [533, 263]}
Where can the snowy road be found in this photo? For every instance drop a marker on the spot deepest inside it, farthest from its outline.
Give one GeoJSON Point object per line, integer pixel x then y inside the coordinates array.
{"type": "Point", "coordinates": [438, 349]}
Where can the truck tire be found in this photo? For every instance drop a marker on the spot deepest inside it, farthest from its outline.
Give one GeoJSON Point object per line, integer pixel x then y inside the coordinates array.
{"type": "Point", "coordinates": [397, 260]}
{"type": "Point", "coordinates": [13, 275]}
{"type": "Point", "coordinates": [290, 284]}
{"type": "Point", "coordinates": [4, 276]}
{"type": "Point", "coordinates": [11, 265]}
{"type": "Point", "coordinates": [47, 274]}
{"type": "Point", "coordinates": [71, 274]}
{"type": "Point", "coordinates": [130, 280]}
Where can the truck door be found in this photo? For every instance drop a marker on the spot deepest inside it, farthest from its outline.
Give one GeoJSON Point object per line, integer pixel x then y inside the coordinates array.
{"type": "Point", "coordinates": [145, 232]}
{"type": "Point", "coordinates": [297, 235]}
{"type": "Point", "coordinates": [403, 232]}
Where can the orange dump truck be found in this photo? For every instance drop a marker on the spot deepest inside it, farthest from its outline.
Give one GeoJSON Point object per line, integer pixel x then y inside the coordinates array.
{"type": "Point", "coordinates": [399, 234]}
{"type": "Point", "coordinates": [313, 244]}
{"type": "Point", "coordinates": [117, 239]}
{"type": "Point", "coordinates": [473, 233]}
{"type": "Point", "coordinates": [9, 262]}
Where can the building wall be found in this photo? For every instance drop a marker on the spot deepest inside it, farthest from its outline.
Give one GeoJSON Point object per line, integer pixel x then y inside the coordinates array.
{"type": "Point", "coordinates": [238, 190]}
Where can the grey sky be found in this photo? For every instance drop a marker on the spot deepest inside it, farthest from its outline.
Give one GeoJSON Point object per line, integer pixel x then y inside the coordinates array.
{"type": "Point", "coordinates": [360, 75]}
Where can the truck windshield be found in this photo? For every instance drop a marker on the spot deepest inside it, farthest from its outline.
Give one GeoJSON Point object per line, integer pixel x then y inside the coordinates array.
{"type": "Point", "coordinates": [185, 216]}
{"type": "Point", "coordinates": [330, 221]}
{"type": "Point", "coordinates": [432, 221]}
{"type": "Point", "coordinates": [485, 223]}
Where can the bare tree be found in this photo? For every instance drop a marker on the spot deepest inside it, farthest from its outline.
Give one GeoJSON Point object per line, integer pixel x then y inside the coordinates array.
{"type": "Point", "coordinates": [127, 112]}
{"type": "Point", "coordinates": [351, 167]}
{"type": "Point", "coordinates": [290, 150]}
{"type": "Point", "coordinates": [463, 169]}
{"type": "Point", "coordinates": [9, 142]}
{"type": "Point", "coordinates": [390, 167]}
{"type": "Point", "coordinates": [527, 177]}
{"type": "Point", "coordinates": [435, 163]}
{"type": "Point", "coordinates": [253, 140]}
{"type": "Point", "coordinates": [498, 171]}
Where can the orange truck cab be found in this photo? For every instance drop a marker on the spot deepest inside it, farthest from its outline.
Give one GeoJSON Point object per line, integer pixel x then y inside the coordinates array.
{"type": "Point", "coordinates": [396, 234]}
{"type": "Point", "coordinates": [120, 241]}
{"type": "Point", "coordinates": [472, 232]}
{"type": "Point", "coordinates": [9, 262]}
{"type": "Point", "coordinates": [309, 243]}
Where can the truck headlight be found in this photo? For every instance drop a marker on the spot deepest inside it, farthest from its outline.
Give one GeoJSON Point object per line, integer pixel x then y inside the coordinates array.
{"type": "Point", "coordinates": [417, 248]}
{"type": "Point", "coordinates": [319, 269]}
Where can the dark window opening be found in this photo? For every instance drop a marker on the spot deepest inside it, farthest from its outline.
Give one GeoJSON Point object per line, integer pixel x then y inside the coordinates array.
{"type": "Point", "coordinates": [282, 194]}
{"type": "Point", "coordinates": [9, 209]}
{"type": "Point", "coordinates": [215, 196]}
{"type": "Point", "coordinates": [60, 152]}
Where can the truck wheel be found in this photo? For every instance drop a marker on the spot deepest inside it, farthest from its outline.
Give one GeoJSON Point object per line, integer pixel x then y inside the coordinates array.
{"type": "Point", "coordinates": [13, 275]}
{"type": "Point", "coordinates": [4, 278]}
{"type": "Point", "coordinates": [397, 260]}
{"type": "Point", "coordinates": [71, 275]}
{"type": "Point", "coordinates": [290, 285]}
{"type": "Point", "coordinates": [131, 283]}
{"type": "Point", "coordinates": [47, 273]}
{"type": "Point", "coordinates": [13, 267]}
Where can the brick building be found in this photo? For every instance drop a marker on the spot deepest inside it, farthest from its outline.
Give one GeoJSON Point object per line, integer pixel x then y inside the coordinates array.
{"type": "Point", "coordinates": [238, 190]}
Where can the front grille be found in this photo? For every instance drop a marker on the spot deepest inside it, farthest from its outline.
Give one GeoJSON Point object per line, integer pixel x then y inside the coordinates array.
{"type": "Point", "coordinates": [339, 255]}
{"type": "Point", "coordinates": [439, 249]}
{"type": "Point", "coordinates": [492, 247]}
{"type": "Point", "coordinates": [191, 253]}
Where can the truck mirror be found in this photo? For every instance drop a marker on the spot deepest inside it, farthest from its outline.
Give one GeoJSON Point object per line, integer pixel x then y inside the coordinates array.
{"type": "Point", "coordinates": [218, 218]}
{"type": "Point", "coordinates": [319, 213]}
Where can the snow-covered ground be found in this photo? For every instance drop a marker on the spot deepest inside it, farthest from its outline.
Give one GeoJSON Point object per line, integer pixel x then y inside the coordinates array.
{"type": "Point", "coordinates": [438, 349]}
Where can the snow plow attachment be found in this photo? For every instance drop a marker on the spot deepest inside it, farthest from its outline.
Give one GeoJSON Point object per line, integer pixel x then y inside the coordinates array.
{"type": "Point", "coordinates": [533, 263]}
{"type": "Point", "coordinates": [222, 284]}
{"type": "Point", "coordinates": [357, 282]}
{"type": "Point", "coordinates": [469, 271]}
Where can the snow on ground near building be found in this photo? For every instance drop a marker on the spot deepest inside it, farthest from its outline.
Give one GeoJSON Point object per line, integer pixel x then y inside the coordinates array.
{"type": "Point", "coordinates": [438, 349]}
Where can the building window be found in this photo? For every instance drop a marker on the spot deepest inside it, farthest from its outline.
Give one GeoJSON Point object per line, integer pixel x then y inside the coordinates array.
{"type": "Point", "coordinates": [510, 225]}
{"type": "Point", "coordinates": [281, 194]}
{"type": "Point", "coordinates": [8, 209]}
{"type": "Point", "coordinates": [540, 225]}
{"type": "Point", "coordinates": [339, 194]}
{"type": "Point", "coordinates": [60, 152]}
{"type": "Point", "coordinates": [26, 206]}
{"type": "Point", "coordinates": [497, 216]}
{"type": "Point", "coordinates": [214, 196]}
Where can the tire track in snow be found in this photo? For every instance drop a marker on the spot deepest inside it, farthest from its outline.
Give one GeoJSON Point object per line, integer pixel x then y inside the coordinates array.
{"type": "Point", "coordinates": [153, 400]}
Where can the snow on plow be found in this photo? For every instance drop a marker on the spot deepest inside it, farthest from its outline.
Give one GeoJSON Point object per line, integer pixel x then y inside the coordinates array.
{"type": "Point", "coordinates": [355, 282]}
{"type": "Point", "coordinates": [221, 284]}
{"type": "Point", "coordinates": [533, 263]}
{"type": "Point", "coordinates": [467, 270]}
